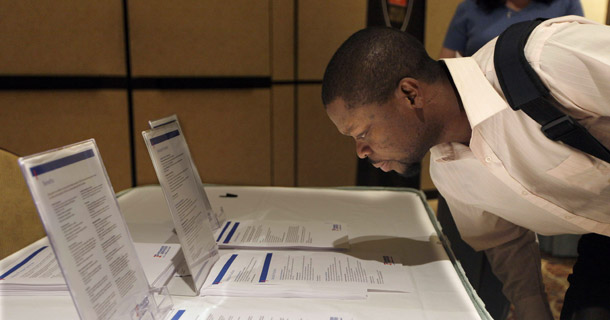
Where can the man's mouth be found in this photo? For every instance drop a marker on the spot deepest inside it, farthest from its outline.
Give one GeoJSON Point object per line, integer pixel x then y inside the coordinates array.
{"type": "Point", "coordinates": [383, 165]}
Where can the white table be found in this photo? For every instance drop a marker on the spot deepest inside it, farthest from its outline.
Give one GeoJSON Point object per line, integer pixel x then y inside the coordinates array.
{"type": "Point", "coordinates": [396, 221]}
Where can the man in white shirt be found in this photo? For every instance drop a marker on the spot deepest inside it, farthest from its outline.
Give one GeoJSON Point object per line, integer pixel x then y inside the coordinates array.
{"type": "Point", "coordinates": [502, 178]}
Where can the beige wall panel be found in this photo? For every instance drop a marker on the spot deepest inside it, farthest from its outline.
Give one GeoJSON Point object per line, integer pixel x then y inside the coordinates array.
{"type": "Point", "coordinates": [438, 17]}
{"type": "Point", "coordinates": [323, 26]}
{"type": "Point", "coordinates": [283, 135]}
{"type": "Point", "coordinates": [32, 122]}
{"type": "Point", "coordinates": [228, 132]}
{"type": "Point", "coordinates": [325, 157]}
{"type": "Point", "coordinates": [199, 38]}
{"type": "Point", "coordinates": [62, 37]}
{"type": "Point", "coordinates": [595, 10]}
{"type": "Point", "coordinates": [282, 45]}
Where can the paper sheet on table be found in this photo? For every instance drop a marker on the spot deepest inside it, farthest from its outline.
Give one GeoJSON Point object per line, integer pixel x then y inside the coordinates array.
{"type": "Point", "coordinates": [304, 274]}
{"type": "Point", "coordinates": [263, 234]}
{"type": "Point", "coordinates": [223, 313]}
{"type": "Point", "coordinates": [35, 271]}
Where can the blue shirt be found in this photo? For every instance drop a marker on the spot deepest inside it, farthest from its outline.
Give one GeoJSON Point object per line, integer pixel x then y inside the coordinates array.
{"type": "Point", "coordinates": [471, 27]}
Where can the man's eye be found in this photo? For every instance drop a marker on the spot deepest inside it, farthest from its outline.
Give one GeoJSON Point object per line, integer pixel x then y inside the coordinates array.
{"type": "Point", "coordinates": [361, 136]}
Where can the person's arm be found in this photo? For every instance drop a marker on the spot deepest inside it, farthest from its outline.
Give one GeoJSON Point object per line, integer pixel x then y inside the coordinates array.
{"type": "Point", "coordinates": [447, 53]}
{"type": "Point", "coordinates": [517, 265]}
{"type": "Point", "coordinates": [512, 252]}
{"type": "Point", "coordinates": [455, 38]}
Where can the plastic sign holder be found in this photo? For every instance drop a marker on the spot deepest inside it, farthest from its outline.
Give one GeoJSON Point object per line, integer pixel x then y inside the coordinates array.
{"type": "Point", "coordinates": [217, 219]}
{"type": "Point", "coordinates": [171, 160]}
{"type": "Point", "coordinates": [89, 236]}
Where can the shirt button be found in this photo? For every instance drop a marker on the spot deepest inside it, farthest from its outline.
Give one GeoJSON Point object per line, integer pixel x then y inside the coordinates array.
{"type": "Point", "coordinates": [488, 159]}
{"type": "Point", "coordinates": [525, 193]}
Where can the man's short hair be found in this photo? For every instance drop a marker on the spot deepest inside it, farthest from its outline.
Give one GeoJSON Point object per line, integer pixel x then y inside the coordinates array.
{"type": "Point", "coordinates": [369, 65]}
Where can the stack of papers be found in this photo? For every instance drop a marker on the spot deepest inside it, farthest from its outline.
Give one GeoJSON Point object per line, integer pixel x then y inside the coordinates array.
{"type": "Point", "coordinates": [35, 271]}
{"type": "Point", "coordinates": [262, 234]}
{"type": "Point", "coordinates": [221, 313]}
{"type": "Point", "coordinates": [304, 275]}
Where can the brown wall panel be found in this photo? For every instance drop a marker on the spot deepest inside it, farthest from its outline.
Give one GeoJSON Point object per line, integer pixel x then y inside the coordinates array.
{"type": "Point", "coordinates": [201, 38]}
{"type": "Point", "coordinates": [282, 45]}
{"type": "Point", "coordinates": [322, 27]}
{"type": "Point", "coordinates": [438, 16]}
{"type": "Point", "coordinates": [62, 37]}
{"type": "Point", "coordinates": [228, 132]}
{"type": "Point", "coordinates": [32, 122]}
{"type": "Point", "coordinates": [283, 135]}
{"type": "Point", "coordinates": [324, 157]}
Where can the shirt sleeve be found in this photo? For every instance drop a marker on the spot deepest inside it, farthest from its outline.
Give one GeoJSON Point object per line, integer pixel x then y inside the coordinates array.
{"type": "Point", "coordinates": [456, 36]}
{"type": "Point", "coordinates": [513, 254]}
{"type": "Point", "coordinates": [517, 265]}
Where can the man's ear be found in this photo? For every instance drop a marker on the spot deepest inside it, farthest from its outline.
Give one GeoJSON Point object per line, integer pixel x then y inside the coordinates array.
{"type": "Point", "coordinates": [409, 90]}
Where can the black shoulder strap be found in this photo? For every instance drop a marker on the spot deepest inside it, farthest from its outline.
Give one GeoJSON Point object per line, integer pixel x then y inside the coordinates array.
{"type": "Point", "coordinates": [524, 91]}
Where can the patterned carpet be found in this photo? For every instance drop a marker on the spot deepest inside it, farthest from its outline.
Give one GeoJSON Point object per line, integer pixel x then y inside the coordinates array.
{"type": "Point", "coordinates": [555, 273]}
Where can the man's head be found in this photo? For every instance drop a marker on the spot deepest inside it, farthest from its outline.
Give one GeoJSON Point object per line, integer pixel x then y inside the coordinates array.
{"type": "Point", "coordinates": [378, 88]}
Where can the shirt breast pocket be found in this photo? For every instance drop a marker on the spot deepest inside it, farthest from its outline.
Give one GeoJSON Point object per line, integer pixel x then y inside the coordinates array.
{"type": "Point", "coordinates": [583, 171]}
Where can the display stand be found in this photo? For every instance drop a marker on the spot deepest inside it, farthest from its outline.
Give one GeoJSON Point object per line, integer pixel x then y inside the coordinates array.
{"type": "Point", "coordinates": [89, 236]}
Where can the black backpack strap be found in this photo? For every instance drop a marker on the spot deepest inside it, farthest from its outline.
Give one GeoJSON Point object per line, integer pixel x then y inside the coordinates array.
{"type": "Point", "coordinates": [524, 91]}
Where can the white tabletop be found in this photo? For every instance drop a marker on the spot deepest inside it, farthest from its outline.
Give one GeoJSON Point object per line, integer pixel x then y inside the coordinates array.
{"type": "Point", "coordinates": [396, 222]}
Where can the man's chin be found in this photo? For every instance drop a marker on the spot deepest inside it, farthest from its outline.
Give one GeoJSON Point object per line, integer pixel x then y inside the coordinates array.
{"type": "Point", "coordinates": [409, 170]}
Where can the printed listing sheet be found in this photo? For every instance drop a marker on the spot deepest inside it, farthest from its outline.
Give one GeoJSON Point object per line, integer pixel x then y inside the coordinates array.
{"type": "Point", "coordinates": [216, 218]}
{"type": "Point", "coordinates": [171, 160]}
{"type": "Point", "coordinates": [220, 313]}
{"type": "Point", "coordinates": [305, 274]}
{"type": "Point", "coordinates": [35, 271]}
{"type": "Point", "coordinates": [86, 230]}
{"type": "Point", "coordinates": [262, 234]}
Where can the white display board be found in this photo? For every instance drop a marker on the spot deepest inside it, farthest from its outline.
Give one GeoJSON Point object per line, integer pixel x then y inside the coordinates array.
{"type": "Point", "coordinates": [88, 234]}
{"type": "Point", "coordinates": [171, 160]}
{"type": "Point", "coordinates": [216, 218]}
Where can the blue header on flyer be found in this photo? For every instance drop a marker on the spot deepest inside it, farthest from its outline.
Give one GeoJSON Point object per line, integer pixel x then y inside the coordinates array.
{"type": "Point", "coordinates": [163, 137]}
{"type": "Point", "coordinates": [60, 163]}
{"type": "Point", "coordinates": [20, 264]}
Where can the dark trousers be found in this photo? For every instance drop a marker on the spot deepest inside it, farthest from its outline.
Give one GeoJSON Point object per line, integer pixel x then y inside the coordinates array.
{"type": "Point", "coordinates": [588, 297]}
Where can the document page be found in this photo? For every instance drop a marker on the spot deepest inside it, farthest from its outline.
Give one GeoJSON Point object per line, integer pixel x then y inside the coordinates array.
{"type": "Point", "coordinates": [223, 313]}
{"type": "Point", "coordinates": [282, 234]}
{"type": "Point", "coordinates": [216, 218]}
{"type": "Point", "coordinates": [87, 232]}
{"type": "Point", "coordinates": [304, 274]}
{"type": "Point", "coordinates": [172, 163]}
{"type": "Point", "coordinates": [35, 271]}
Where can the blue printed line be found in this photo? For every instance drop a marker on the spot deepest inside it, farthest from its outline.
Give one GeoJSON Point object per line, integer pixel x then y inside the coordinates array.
{"type": "Point", "coordinates": [13, 269]}
{"type": "Point", "coordinates": [59, 163]}
{"type": "Point", "coordinates": [265, 268]}
{"type": "Point", "coordinates": [223, 231]}
{"type": "Point", "coordinates": [178, 315]}
{"type": "Point", "coordinates": [231, 233]}
{"type": "Point", "coordinates": [224, 269]}
{"type": "Point", "coordinates": [163, 137]}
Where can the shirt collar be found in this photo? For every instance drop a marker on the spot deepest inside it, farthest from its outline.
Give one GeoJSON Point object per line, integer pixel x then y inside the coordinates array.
{"type": "Point", "coordinates": [479, 98]}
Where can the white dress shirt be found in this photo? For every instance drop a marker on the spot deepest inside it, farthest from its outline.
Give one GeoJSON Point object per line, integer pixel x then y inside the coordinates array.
{"type": "Point", "coordinates": [511, 179]}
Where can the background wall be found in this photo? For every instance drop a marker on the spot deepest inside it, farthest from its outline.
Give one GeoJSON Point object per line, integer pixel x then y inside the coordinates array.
{"type": "Point", "coordinates": [244, 77]}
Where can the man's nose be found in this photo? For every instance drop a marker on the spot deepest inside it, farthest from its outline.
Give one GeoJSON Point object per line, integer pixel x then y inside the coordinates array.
{"type": "Point", "coordinates": [363, 150]}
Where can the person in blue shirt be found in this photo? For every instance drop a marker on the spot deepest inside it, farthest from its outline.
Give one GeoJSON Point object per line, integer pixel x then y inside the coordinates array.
{"type": "Point", "coordinates": [475, 22]}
